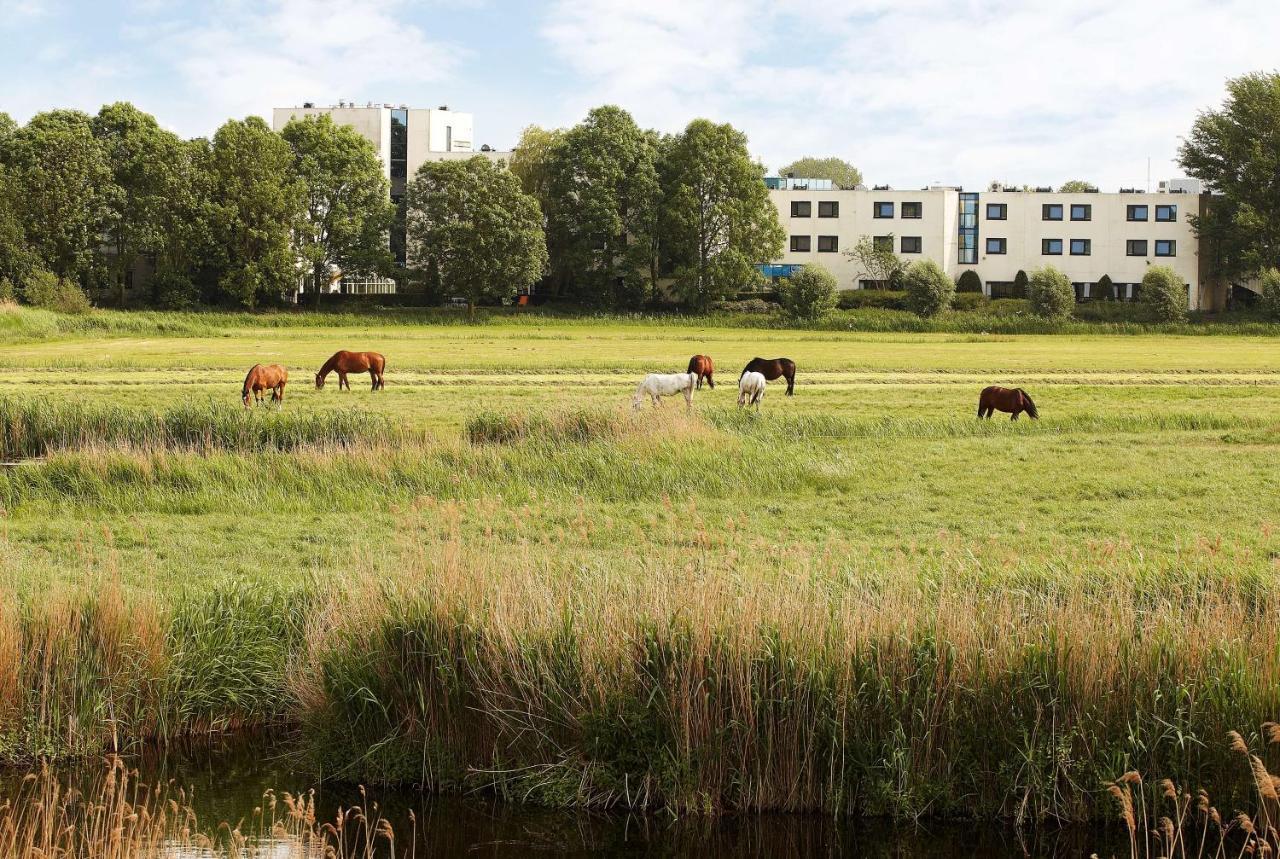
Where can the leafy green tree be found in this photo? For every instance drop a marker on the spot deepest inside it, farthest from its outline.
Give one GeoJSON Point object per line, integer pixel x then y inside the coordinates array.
{"type": "Point", "coordinates": [969, 281]}
{"type": "Point", "coordinates": [348, 209]}
{"type": "Point", "coordinates": [470, 224]}
{"type": "Point", "coordinates": [929, 289]}
{"type": "Point", "coordinates": [604, 198]}
{"type": "Point", "coordinates": [146, 168]}
{"type": "Point", "coordinates": [59, 185]}
{"type": "Point", "coordinates": [1164, 294]}
{"type": "Point", "coordinates": [1271, 292]}
{"type": "Point", "coordinates": [1020, 281]}
{"type": "Point", "coordinates": [532, 162]}
{"type": "Point", "coordinates": [1236, 152]}
{"type": "Point", "coordinates": [16, 257]}
{"type": "Point", "coordinates": [1051, 294]}
{"type": "Point", "coordinates": [46, 290]}
{"type": "Point", "coordinates": [255, 205]}
{"type": "Point", "coordinates": [1103, 290]}
{"type": "Point", "coordinates": [809, 294]}
{"type": "Point", "coordinates": [1077, 186]}
{"type": "Point", "coordinates": [841, 173]}
{"type": "Point", "coordinates": [876, 261]}
{"type": "Point", "coordinates": [718, 221]}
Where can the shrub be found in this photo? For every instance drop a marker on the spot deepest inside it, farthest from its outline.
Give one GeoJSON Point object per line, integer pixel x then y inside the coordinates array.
{"type": "Point", "coordinates": [1270, 299]}
{"type": "Point", "coordinates": [46, 290]}
{"type": "Point", "coordinates": [885, 299]}
{"type": "Point", "coordinates": [1103, 290]}
{"type": "Point", "coordinates": [746, 305]}
{"type": "Point", "coordinates": [1051, 294]}
{"type": "Point", "coordinates": [969, 281]}
{"type": "Point", "coordinates": [968, 301]}
{"type": "Point", "coordinates": [808, 294]}
{"type": "Point", "coordinates": [1020, 281]}
{"type": "Point", "coordinates": [1164, 294]}
{"type": "Point", "coordinates": [929, 290]}
{"type": "Point", "coordinates": [173, 291]}
{"type": "Point", "coordinates": [8, 294]}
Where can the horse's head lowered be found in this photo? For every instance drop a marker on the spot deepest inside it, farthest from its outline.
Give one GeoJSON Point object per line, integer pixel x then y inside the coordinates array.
{"type": "Point", "coordinates": [319, 381]}
{"type": "Point", "coordinates": [1029, 406]}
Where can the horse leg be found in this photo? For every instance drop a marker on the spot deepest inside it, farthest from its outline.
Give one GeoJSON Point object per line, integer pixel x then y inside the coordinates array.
{"type": "Point", "coordinates": [711, 382]}
{"type": "Point", "coordinates": [1014, 417]}
{"type": "Point", "coordinates": [791, 384]}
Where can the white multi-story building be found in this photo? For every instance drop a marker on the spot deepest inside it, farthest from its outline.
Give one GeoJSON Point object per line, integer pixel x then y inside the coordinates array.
{"type": "Point", "coordinates": [995, 233]}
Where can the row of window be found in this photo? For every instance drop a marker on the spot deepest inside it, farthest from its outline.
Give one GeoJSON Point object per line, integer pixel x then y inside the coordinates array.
{"type": "Point", "coordinates": [831, 209]}
{"type": "Point", "coordinates": [831, 244]}
{"type": "Point", "coordinates": [1084, 247]}
{"type": "Point", "coordinates": [995, 211]}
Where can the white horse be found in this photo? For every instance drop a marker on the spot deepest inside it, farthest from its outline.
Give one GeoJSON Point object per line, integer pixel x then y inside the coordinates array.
{"type": "Point", "coordinates": [751, 390]}
{"type": "Point", "coordinates": [658, 385]}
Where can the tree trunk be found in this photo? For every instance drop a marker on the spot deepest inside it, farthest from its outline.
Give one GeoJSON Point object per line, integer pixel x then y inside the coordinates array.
{"type": "Point", "coordinates": [318, 275]}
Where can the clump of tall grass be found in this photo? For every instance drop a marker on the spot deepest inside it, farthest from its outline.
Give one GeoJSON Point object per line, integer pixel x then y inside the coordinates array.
{"type": "Point", "coordinates": [120, 817]}
{"type": "Point", "coordinates": [34, 427]}
{"type": "Point", "coordinates": [576, 425]}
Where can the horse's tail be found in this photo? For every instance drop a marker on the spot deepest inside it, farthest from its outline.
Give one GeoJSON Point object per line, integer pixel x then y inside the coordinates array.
{"type": "Point", "coordinates": [1031, 407]}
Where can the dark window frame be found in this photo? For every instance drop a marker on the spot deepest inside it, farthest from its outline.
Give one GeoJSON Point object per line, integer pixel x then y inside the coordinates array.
{"type": "Point", "coordinates": [1086, 244]}
{"type": "Point", "coordinates": [1004, 211]}
{"type": "Point", "coordinates": [834, 211]}
{"type": "Point", "coordinates": [919, 244]}
{"type": "Point", "coordinates": [797, 204]}
{"type": "Point", "coordinates": [917, 207]}
{"type": "Point", "coordinates": [806, 240]}
{"type": "Point", "coordinates": [1173, 248]}
{"type": "Point", "coordinates": [882, 242]}
{"type": "Point", "coordinates": [1088, 211]}
{"type": "Point", "coordinates": [1130, 244]}
{"type": "Point", "coordinates": [876, 209]}
{"type": "Point", "coordinates": [1046, 210]}
{"type": "Point", "coordinates": [835, 245]}
{"type": "Point", "coordinates": [1130, 213]}
{"type": "Point", "coordinates": [1172, 212]}
{"type": "Point", "coordinates": [1004, 246]}
{"type": "Point", "coordinates": [1044, 248]}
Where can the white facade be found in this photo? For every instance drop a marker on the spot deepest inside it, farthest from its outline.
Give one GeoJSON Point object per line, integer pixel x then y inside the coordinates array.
{"type": "Point", "coordinates": [997, 233]}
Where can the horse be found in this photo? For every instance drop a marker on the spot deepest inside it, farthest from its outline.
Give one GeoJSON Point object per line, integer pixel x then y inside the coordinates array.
{"type": "Point", "coordinates": [353, 362]}
{"type": "Point", "coordinates": [995, 398]}
{"type": "Point", "coordinates": [659, 385]}
{"type": "Point", "coordinates": [701, 364]}
{"type": "Point", "coordinates": [772, 368]}
{"type": "Point", "coordinates": [265, 377]}
{"type": "Point", "coordinates": [751, 389]}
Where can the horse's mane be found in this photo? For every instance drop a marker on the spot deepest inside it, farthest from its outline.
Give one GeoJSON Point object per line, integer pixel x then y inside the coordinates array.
{"type": "Point", "coordinates": [249, 377]}
{"type": "Point", "coordinates": [327, 367]}
{"type": "Point", "coordinates": [1031, 406]}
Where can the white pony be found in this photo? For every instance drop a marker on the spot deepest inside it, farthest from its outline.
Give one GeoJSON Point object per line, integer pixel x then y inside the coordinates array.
{"type": "Point", "coordinates": [751, 390]}
{"type": "Point", "coordinates": [658, 385]}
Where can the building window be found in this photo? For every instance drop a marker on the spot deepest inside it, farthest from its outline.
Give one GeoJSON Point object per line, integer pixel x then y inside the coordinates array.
{"type": "Point", "coordinates": [801, 209]}
{"type": "Point", "coordinates": [800, 244]}
{"type": "Point", "coordinates": [997, 246]}
{"type": "Point", "coordinates": [829, 209]}
{"type": "Point", "coordinates": [828, 244]}
{"type": "Point", "coordinates": [1137, 213]}
{"type": "Point", "coordinates": [967, 233]}
{"type": "Point", "coordinates": [912, 210]}
{"type": "Point", "coordinates": [911, 244]}
{"type": "Point", "coordinates": [882, 243]}
{"type": "Point", "coordinates": [1081, 247]}
{"type": "Point", "coordinates": [1051, 247]}
{"type": "Point", "coordinates": [1136, 247]}
{"type": "Point", "coordinates": [399, 155]}
{"type": "Point", "coordinates": [997, 211]}
{"type": "Point", "coordinates": [1081, 212]}
{"type": "Point", "coordinates": [1166, 248]}
{"type": "Point", "coordinates": [1051, 212]}
{"type": "Point", "coordinates": [884, 210]}
{"type": "Point", "coordinates": [1166, 213]}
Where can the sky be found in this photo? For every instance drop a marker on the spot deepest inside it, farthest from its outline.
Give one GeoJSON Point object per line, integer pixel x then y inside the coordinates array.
{"type": "Point", "coordinates": [913, 92]}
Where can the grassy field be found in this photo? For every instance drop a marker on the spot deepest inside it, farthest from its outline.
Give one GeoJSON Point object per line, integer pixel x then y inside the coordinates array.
{"type": "Point", "coordinates": [887, 605]}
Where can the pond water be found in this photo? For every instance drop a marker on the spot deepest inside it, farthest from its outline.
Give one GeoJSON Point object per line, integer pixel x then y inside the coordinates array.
{"type": "Point", "coordinates": [228, 781]}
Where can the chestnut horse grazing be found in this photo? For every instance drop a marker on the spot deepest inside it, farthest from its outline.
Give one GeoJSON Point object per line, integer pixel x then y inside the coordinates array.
{"type": "Point", "coordinates": [701, 364]}
{"type": "Point", "coordinates": [265, 377]}
{"type": "Point", "coordinates": [352, 362]}
{"type": "Point", "coordinates": [1013, 400]}
{"type": "Point", "coordinates": [772, 368]}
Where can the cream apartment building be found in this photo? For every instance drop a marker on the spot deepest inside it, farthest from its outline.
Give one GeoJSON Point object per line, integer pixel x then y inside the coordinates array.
{"type": "Point", "coordinates": [995, 233]}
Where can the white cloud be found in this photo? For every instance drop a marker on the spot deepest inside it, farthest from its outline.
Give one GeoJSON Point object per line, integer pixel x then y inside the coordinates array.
{"type": "Point", "coordinates": [915, 91]}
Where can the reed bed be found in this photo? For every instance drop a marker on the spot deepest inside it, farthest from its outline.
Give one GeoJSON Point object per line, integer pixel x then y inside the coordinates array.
{"type": "Point", "coordinates": [34, 427]}
{"type": "Point", "coordinates": [120, 817]}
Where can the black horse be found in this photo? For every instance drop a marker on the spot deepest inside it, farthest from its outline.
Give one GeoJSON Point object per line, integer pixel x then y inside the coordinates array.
{"type": "Point", "coordinates": [773, 368]}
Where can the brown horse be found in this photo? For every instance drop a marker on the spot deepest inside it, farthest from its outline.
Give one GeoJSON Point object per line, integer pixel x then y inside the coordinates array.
{"type": "Point", "coordinates": [772, 368]}
{"type": "Point", "coordinates": [265, 377]}
{"type": "Point", "coordinates": [1013, 400]}
{"type": "Point", "coordinates": [701, 364]}
{"type": "Point", "coordinates": [345, 362]}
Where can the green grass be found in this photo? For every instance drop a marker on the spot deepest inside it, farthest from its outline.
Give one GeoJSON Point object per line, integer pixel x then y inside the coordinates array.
{"type": "Point", "coordinates": [500, 509]}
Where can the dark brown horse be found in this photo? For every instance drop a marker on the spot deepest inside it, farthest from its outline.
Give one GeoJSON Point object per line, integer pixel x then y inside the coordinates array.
{"type": "Point", "coordinates": [701, 364]}
{"type": "Point", "coordinates": [345, 362]}
{"type": "Point", "coordinates": [265, 377]}
{"type": "Point", "coordinates": [773, 368]}
{"type": "Point", "coordinates": [1013, 400]}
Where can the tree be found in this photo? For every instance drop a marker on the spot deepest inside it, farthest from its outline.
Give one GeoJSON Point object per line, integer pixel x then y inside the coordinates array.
{"type": "Point", "coordinates": [841, 173]}
{"type": "Point", "coordinates": [809, 294]}
{"type": "Point", "coordinates": [16, 257]}
{"type": "Point", "coordinates": [1051, 294]}
{"type": "Point", "coordinates": [1236, 152]}
{"type": "Point", "coordinates": [604, 196]}
{"type": "Point", "coordinates": [347, 205]}
{"type": "Point", "coordinates": [531, 162]}
{"type": "Point", "coordinates": [1020, 281]}
{"type": "Point", "coordinates": [255, 205]}
{"type": "Point", "coordinates": [1271, 292]}
{"type": "Point", "coordinates": [969, 281]}
{"type": "Point", "coordinates": [876, 260]}
{"type": "Point", "coordinates": [145, 162]}
{"type": "Point", "coordinates": [1103, 290]}
{"type": "Point", "coordinates": [470, 223]}
{"type": "Point", "coordinates": [1077, 186]}
{"type": "Point", "coordinates": [929, 289]}
{"type": "Point", "coordinates": [1164, 293]}
{"type": "Point", "coordinates": [718, 222]}
{"type": "Point", "coordinates": [59, 185]}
